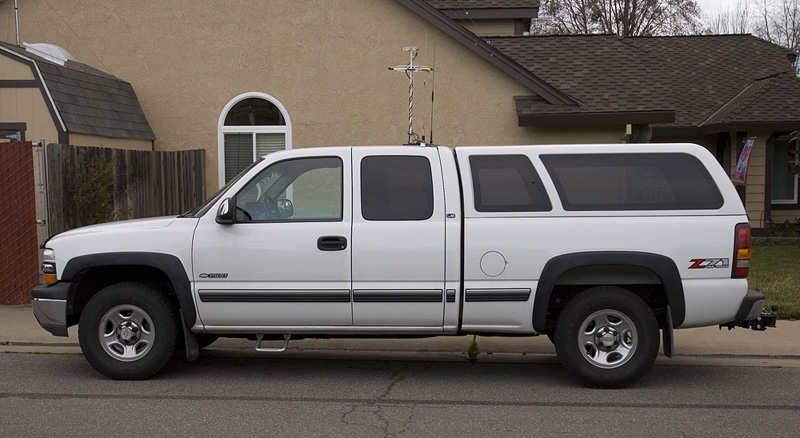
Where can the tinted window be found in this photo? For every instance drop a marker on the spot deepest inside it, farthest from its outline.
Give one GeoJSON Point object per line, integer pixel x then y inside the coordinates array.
{"type": "Point", "coordinates": [632, 182]}
{"type": "Point", "coordinates": [396, 188]}
{"type": "Point", "coordinates": [507, 183]}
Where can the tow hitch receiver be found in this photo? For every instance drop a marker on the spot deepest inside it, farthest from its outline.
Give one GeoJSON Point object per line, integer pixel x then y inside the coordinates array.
{"type": "Point", "coordinates": [764, 320]}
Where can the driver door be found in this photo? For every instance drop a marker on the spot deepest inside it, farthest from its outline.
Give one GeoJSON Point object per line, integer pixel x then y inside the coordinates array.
{"type": "Point", "coordinates": [285, 261]}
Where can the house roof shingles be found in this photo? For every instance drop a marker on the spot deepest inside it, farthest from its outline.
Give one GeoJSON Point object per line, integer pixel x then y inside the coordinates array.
{"type": "Point", "coordinates": [770, 101]}
{"type": "Point", "coordinates": [574, 65]}
{"type": "Point", "coordinates": [694, 76]}
{"type": "Point", "coordinates": [91, 101]}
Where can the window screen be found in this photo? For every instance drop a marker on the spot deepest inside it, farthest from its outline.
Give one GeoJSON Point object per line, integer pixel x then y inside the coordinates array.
{"type": "Point", "coordinates": [396, 188]}
{"type": "Point", "coordinates": [507, 183]}
{"type": "Point", "coordinates": [605, 182]}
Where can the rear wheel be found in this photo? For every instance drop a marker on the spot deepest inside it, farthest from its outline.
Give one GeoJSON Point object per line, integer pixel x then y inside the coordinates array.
{"type": "Point", "coordinates": [128, 331]}
{"type": "Point", "coordinates": [607, 337]}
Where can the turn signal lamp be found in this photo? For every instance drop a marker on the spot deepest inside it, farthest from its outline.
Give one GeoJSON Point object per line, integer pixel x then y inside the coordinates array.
{"type": "Point", "coordinates": [49, 266]}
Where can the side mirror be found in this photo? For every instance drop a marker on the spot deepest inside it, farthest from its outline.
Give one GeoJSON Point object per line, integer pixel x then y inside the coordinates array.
{"type": "Point", "coordinates": [285, 208]}
{"type": "Point", "coordinates": [225, 213]}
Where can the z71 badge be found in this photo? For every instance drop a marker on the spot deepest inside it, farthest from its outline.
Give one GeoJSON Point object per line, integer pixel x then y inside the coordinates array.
{"type": "Point", "coordinates": [709, 263]}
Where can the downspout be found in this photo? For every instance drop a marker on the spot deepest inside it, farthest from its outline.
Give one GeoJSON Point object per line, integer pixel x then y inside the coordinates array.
{"type": "Point", "coordinates": [640, 133]}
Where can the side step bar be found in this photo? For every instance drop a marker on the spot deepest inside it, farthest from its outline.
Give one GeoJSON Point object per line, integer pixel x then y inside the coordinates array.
{"type": "Point", "coordinates": [260, 349]}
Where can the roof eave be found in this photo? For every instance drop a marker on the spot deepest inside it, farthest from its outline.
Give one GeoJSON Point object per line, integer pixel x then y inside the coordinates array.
{"type": "Point", "coordinates": [598, 118]}
{"type": "Point", "coordinates": [487, 52]}
{"type": "Point", "coordinates": [788, 125]}
{"type": "Point", "coordinates": [490, 13]}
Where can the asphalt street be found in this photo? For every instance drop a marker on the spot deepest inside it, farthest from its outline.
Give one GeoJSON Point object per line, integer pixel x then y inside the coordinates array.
{"type": "Point", "coordinates": [242, 395]}
{"type": "Point", "coordinates": [721, 383]}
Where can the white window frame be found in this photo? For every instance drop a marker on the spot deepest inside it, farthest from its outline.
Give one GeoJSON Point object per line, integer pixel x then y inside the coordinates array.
{"type": "Point", "coordinates": [253, 130]}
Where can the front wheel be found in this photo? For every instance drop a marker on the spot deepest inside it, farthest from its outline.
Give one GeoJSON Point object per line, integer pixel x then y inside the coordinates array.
{"type": "Point", "coordinates": [128, 331]}
{"type": "Point", "coordinates": [607, 337]}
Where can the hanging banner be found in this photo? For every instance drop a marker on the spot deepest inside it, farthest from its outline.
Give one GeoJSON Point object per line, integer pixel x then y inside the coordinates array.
{"type": "Point", "coordinates": [740, 175]}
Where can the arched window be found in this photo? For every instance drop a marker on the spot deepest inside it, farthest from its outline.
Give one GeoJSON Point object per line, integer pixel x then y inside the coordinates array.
{"type": "Point", "coordinates": [251, 125]}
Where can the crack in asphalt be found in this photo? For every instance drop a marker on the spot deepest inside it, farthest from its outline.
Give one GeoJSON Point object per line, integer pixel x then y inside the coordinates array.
{"type": "Point", "coordinates": [375, 406]}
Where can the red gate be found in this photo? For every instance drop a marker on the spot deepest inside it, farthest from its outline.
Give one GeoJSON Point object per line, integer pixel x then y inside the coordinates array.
{"type": "Point", "coordinates": [19, 256]}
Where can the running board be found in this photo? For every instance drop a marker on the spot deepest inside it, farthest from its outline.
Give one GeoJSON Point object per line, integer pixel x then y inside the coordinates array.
{"type": "Point", "coordinates": [260, 349]}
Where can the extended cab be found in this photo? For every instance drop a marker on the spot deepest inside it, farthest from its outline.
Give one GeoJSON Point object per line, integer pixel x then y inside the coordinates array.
{"type": "Point", "coordinates": [603, 248]}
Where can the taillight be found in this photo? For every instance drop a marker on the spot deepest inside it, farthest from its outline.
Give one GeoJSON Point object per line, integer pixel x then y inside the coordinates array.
{"type": "Point", "coordinates": [742, 251]}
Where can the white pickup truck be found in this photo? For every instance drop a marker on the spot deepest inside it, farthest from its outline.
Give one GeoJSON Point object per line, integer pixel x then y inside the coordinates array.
{"type": "Point", "coordinates": [597, 246]}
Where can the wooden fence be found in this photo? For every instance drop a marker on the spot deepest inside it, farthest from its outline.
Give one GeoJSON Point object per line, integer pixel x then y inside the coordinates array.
{"type": "Point", "coordinates": [87, 185]}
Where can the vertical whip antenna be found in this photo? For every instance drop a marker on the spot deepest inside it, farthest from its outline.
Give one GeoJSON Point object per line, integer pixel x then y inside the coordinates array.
{"type": "Point", "coordinates": [433, 89]}
{"type": "Point", "coordinates": [409, 70]}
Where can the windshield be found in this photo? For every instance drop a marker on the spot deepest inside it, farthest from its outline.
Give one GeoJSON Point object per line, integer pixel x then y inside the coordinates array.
{"type": "Point", "coordinates": [203, 208]}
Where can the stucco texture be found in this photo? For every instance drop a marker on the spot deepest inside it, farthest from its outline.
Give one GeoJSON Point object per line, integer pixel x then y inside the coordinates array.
{"type": "Point", "coordinates": [325, 61]}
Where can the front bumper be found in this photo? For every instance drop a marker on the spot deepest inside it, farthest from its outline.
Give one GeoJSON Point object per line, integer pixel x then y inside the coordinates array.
{"type": "Point", "coordinates": [50, 307]}
{"type": "Point", "coordinates": [751, 313]}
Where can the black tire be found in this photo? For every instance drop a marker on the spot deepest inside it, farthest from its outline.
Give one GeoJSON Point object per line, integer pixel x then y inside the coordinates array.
{"type": "Point", "coordinates": [128, 331]}
{"type": "Point", "coordinates": [607, 337]}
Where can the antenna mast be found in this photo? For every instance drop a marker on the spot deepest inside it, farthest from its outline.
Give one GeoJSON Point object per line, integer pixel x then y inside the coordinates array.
{"type": "Point", "coordinates": [409, 70]}
{"type": "Point", "coordinates": [16, 19]}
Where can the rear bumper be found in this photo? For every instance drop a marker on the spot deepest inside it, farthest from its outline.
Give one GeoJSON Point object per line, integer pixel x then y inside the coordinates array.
{"type": "Point", "coordinates": [50, 307]}
{"type": "Point", "coordinates": [752, 305]}
{"type": "Point", "coordinates": [751, 313]}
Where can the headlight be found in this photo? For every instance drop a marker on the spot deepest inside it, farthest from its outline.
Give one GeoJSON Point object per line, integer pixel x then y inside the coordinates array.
{"type": "Point", "coordinates": [48, 266]}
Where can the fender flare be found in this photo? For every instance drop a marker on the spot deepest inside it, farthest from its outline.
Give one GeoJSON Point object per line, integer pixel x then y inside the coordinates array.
{"type": "Point", "coordinates": [170, 265]}
{"type": "Point", "coordinates": [662, 266]}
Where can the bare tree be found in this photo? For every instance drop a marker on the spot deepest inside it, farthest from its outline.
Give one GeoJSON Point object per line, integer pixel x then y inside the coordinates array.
{"type": "Point", "coordinates": [782, 25]}
{"type": "Point", "coordinates": [620, 17]}
{"type": "Point", "coordinates": [728, 21]}
{"type": "Point", "coordinates": [764, 16]}
{"type": "Point", "coordinates": [777, 21]}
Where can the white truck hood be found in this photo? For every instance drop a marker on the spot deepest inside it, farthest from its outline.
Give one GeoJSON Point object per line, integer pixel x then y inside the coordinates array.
{"type": "Point", "coordinates": [128, 225]}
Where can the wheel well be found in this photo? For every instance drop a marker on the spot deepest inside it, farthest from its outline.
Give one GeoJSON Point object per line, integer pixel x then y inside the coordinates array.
{"type": "Point", "coordinates": [654, 277]}
{"type": "Point", "coordinates": [91, 281]}
{"type": "Point", "coordinates": [643, 282]}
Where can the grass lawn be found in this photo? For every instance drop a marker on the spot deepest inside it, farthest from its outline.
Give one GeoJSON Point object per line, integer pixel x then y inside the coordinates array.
{"type": "Point", "coordinates": [775, 271]}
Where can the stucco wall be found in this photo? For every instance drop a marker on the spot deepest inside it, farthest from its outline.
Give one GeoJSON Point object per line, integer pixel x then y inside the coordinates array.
{"type": "Point", "coordinates": [326, 62]}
